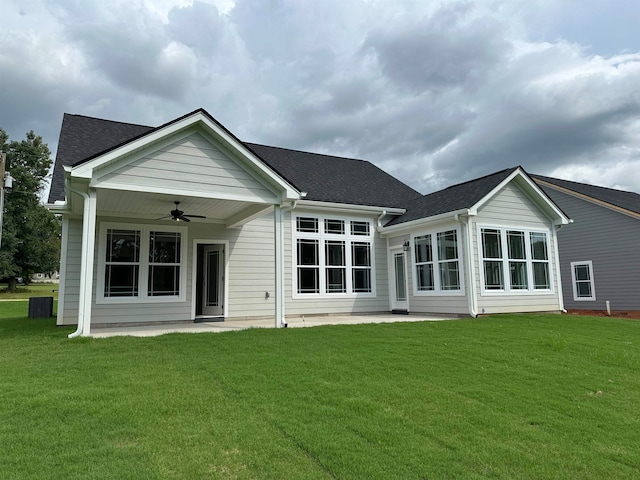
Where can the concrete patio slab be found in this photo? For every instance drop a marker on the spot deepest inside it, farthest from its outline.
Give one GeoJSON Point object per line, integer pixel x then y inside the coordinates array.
{"type": "Point", "coordinates": [293, 322]}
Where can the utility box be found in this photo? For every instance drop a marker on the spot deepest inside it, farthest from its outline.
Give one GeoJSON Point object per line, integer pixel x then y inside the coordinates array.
{"type": "Point", "coordinates": [41, 307]}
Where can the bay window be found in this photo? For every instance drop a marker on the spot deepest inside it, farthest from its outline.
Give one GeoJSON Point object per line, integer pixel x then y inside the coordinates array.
{"type": "Point", "coordinates": [515, 260]}
{"type": "Point", "coordinates": [333, 255]}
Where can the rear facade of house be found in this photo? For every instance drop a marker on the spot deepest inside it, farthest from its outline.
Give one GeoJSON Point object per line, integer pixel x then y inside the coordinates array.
{"type": "Point", "coordinates": [278, 232]}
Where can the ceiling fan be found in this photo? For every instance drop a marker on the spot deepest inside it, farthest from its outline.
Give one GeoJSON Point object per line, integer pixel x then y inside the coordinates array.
{"type": "Point", "coordinates": [178, 215]}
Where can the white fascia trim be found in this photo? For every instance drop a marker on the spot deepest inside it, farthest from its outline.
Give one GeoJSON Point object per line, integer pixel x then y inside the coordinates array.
{"type": "Point", "coordinates": [413, 224]}
{"type": "Point", "coordinates": [186, 193]}
{"type": "Point", "coordinates": [86, 169]}
{"type": "Point", "coordinates": [560, 218]}
{"type": "Point", "coordinates": [57, 207]}
{"type": "Point", "coordinates": [348, 207]}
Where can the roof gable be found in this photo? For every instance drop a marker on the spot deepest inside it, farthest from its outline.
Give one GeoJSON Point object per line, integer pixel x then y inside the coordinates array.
{"type": "Point", "coordinates": [471, 195]}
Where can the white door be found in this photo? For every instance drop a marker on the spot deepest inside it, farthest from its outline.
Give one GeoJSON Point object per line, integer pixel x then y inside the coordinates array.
{"type": "Point", "coordinates": [399, 299]}
{"type": "Point", "coordinates": [213, 281]}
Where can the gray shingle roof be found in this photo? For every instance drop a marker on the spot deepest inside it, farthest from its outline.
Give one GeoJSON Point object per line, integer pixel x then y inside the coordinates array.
{"type": "Point", "coordinates": [457, 197]}
{"type": "Point", "coordinates": [327, 178]}
{"type": "Point", "coordinates": [83, 137]}
{"type": "Point", "coordinates": [324, 177]}
{"type": "Point", "coordinates": [619, 198]}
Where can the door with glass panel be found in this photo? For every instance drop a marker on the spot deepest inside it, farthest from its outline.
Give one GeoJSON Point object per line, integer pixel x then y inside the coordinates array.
{"type": "Point", "coordinates": [213, 281]}
{"type": "Point", "coordinates": [399, 288]}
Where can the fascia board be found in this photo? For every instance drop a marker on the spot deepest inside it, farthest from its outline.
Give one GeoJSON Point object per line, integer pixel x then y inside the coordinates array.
{"type": "Point", "coordinates": [348, 207]}
{"type": "Point", "coordinates": [420, 222]}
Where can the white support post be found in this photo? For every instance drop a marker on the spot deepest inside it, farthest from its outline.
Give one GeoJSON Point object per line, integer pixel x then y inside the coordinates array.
{"type": "Point", "coordinates": [279, 266]}
{"type": "Point", "coordinates": [86, 263]}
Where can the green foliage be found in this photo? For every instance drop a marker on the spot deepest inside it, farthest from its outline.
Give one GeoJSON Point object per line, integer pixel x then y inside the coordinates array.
{"type": "Point", "coordinates": [31, 234]}
{"type": "Point", "coordinates": [519, 396]}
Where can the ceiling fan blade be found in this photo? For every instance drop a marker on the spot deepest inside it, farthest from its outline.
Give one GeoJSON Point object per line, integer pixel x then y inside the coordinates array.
{"type": "Point", "coordinates": [183, 218]}
{"type": "Point", "coordinates": [194, 216]}
{"type": "Point", "coordinates": [165, 217]}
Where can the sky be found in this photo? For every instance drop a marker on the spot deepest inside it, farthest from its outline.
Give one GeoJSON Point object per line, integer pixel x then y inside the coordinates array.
{"type": "Point", "coordinates": [433, 92]}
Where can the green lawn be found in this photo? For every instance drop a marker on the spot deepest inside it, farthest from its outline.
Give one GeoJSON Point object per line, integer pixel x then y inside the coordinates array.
{"type": "Point", "coordinates": [500, 397]}
{"type": "Point", "coordinates": [24, 292]}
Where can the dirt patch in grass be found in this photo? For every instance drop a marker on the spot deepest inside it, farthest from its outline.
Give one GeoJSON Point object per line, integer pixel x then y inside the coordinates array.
{"type": "Point", "coordinates": [635, 314]}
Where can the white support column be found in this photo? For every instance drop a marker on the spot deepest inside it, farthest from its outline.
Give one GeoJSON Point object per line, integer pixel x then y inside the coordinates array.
{"type": "Point", "coordinates": [279, 266]}
{"type": "Point", "coordinates": [86, 267]}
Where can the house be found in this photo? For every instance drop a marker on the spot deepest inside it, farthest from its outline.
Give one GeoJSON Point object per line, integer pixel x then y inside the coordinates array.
{"type": "Point", "coordinates": [185, 221]}
{"type": "Point", "coordinates": [600, 251]}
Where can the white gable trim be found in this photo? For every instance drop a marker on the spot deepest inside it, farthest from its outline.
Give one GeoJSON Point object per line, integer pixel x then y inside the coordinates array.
{"type": "Point", "coordinates": [532, 189]}
{"type": "Point", "coordinates": [86, 170]}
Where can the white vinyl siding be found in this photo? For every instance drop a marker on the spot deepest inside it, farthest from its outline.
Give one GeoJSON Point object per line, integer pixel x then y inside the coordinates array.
{"type": "Point", "coordinates": [192, 164]}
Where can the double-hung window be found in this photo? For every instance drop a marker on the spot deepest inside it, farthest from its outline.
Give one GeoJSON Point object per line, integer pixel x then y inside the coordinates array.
{"type": "Point", "coordinates": [141, 264]}
{"type": "Point", "coordinates": [515, 260]}
{"type": "Point", "coordinates": [437, 262]}
{"type": "Point", "coordinates": [332, 255]}
{"type": "Point", "coordinates": [582, 280]}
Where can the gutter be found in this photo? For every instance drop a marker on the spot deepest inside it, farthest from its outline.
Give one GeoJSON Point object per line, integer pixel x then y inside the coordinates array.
{"type": "Point", "coordinates": [471, 276]}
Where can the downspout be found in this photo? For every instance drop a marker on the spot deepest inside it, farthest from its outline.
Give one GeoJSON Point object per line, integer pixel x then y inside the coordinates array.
{"type": "Point", "coordinates": [379, 221]}
{"type": "Point", "coordinates": [281, 322]}
{"type": "Point", "coordinates": [471, 276]}
{"type": "Point", "coordinates": [558, 271]}
{"type": "Point", "coordinates": [83, 259]}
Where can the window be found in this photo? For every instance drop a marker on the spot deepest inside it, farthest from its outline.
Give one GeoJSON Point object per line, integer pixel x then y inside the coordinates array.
{"type": "Point", "coordinates": [122, 263]}
{"type": "Point", "coordinates": [164, 264]}
{"type": "Point", "coordinates": [515, 260]}
{"type": "Point", "coordinates": [333, 256]}
{"type": "Point", "coordinates": [582, 279]}
{"type": "Point", "coordinates": [140, 264]}
{"type": "Point", "coordinates": [424, 263]}
{"type": "Point", "coordinates": [437, 262]}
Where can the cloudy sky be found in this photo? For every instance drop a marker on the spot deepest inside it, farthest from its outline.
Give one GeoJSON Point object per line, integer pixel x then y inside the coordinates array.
{"type": "Point", "coordinates": [434, 92]}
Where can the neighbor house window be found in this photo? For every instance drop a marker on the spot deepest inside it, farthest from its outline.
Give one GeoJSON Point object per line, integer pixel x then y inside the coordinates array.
{"type": "Point", "coordinates": [514, 260]}
{"type": "Point", "coordinates": [582, 279]}
{"type": "Point", "coordinates": [437, 262]}
{"type": "Point", "coordinates": [140, 264]}
{"type": "Point", "coordinates": [333, 255]}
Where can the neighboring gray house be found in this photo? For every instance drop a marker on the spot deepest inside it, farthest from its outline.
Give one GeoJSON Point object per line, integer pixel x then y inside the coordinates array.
{"type": "Point", "coordinates": [185, 222]}
{"type": "Point", "coordinates": [600, 250]}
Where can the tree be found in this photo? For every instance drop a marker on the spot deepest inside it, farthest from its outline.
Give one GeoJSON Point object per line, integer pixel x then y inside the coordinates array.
{"type": "Point", "coordinates": [31, 233]}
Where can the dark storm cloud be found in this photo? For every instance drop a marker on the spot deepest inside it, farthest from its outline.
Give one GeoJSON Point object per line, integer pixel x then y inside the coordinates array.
{"type": "Point", "coordinates": [442, 51]}
{"type": "Point", "coordinates": [434, 93]}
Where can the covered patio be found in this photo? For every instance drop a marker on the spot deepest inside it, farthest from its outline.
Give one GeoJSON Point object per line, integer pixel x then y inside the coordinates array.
{"type": "Point", "coordinates": [234, 325]}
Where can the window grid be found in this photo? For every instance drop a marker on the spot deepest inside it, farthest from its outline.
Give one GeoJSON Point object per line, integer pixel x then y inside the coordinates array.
{"type": "Point", "coordinates": [523, 266]}
{"type": "Point", "coordinates": [437, 262]}
{"type": "Point", "coordinates": [343, 263]}
{"type": "Point", "coordinates": [583, 281]}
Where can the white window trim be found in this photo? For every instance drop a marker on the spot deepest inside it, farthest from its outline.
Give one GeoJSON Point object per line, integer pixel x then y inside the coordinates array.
{"type": "Point", "coordinates": [143, 272]}
{"type": "Point", "coordinates": [437, 290]}
{"type": "Point", "coordinates": [505, 261]}
{"type": "Point", "coordinates": [348, 238]}
{"type": "Point", "coordinates": [574, 285]}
